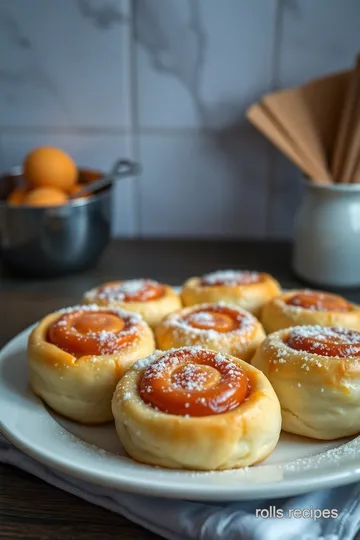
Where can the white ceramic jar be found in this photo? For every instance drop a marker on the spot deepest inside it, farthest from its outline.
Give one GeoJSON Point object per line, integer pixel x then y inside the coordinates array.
{"type": "Point", "coordinates": [327, 235]}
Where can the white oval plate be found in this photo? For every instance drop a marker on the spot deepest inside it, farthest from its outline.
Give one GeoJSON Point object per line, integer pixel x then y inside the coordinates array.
{"type": "Point", "coordinates": [94, 454]}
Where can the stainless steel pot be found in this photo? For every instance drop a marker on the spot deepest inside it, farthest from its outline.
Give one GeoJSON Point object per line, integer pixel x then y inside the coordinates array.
{"type": "Point", "coordinates": [52, 241]}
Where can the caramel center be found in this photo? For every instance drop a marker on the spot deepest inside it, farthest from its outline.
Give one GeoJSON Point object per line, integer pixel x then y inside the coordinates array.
{"type": "Point", "coordinates": [319, 301]}
{"type": "Point", "coordinates": [96, 322]}
{"type": "Point", "coordinates": [193, 375]}
{"type": "Point", "coordinates": [211, 320]}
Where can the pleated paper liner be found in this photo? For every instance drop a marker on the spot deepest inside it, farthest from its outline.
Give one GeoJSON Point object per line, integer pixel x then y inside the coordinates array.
{"type": "Point", "coordinates": [260, 117]}
{"type": "Point", "coordinates": [344, 156]}
{"type": "Point", "coordinates": [305, 124]}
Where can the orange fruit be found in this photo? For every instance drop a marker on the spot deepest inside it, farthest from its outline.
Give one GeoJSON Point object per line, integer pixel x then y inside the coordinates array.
{"type": "Point", "coordinates": [49, 167]}
{"type": "Point", "coordinates": [45, 196]}
{"type": "Point", "coordinates": [17, 195]}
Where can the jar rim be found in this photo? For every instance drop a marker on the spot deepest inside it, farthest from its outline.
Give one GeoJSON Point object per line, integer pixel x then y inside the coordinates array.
{"type": "Point", "coordinates": [331, 187]}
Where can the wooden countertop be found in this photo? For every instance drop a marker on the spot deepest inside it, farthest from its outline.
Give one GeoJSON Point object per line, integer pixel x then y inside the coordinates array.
{"type": "Point", "coordinates": [31, 509]}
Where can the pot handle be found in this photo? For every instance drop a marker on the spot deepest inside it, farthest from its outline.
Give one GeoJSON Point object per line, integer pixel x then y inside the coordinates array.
{"type": "Point", "coordinates": [122, 168]}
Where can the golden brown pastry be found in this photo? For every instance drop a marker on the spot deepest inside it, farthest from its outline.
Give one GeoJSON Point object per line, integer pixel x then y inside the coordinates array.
{"type": "Point", "coordinates": [192, 408]}
{"type": "Point", "coordinates": [77, 356]}
{"type": "Point", "coordinates": [315, 372]}
{"type": "Point", "coordinates": [220, 327]}
{"type": "Point", "coordinates": [309, 307]}
{"type": "Point", "coordinates": [249, 290]}
{"type": "Point", "coordinates": [152, 300]}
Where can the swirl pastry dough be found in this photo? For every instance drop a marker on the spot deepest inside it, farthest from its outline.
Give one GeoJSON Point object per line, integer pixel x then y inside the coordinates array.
{"type": "Point", "coordinates": [150, 299]}
{"type": "Point", "coordinates": [315, 372]}
{"type": "Point", "coordinates": [309, 307]}
{"type": "Point", "coordinates": [220, 327]}
{"type": "Point", "coordinates": [249, 290]}
{"type": "Point", "coordinates": [77, 356]}
{"type": "Point", "coordinates": [192, 408]}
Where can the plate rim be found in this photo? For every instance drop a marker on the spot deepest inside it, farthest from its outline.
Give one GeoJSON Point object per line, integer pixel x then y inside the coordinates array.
{"type": "Point", "coordinates": [347, 473]}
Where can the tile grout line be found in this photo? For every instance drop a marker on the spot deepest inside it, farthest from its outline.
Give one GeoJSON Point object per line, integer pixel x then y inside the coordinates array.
{"type": "Point", "coordinates": [2, 156]}
{"type": "Point", "coordinates": [119, 112]}
{"type": "Point", "coordinates": [95, 131]}
{"type": "Point", "coordinates": [59, 130]}
{"type": "Point", "coordinates": [128, 115]}
{"type": "Point", "coordinates": [274, 81]}
{"type": "Point", "coordinates": [134, 103]}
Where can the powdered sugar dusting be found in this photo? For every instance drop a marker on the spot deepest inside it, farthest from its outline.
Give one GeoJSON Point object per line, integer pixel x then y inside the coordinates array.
{"type": "Point", "coordinates": [190, 378]}
{"type": "Point", "coordinates": [107, 341]}
{"type": "Point", "coordinates": [134, 318]}
{"type": "Point", "coordinates": [317, 306]}
{"type": "Point", "coordinates": [328, 458]}
{"type": "Point", "coordinates": [280, 352]}
{"type": "Point", "coordinates": [325, 333]}
{"type": "Point", "coordinates": [80, 307]}
{"type": "Point", "coordinates": [244, 321]}
{"type": "Point", "coordinates": [145, 362]}
{"type": "Point", "coordinates": [202, 317]}
{"type": "Point", "coordinates": [118, 292]}
{"type": "Point", "coordinates": [291, 304]}
{"type": "Point", "coordinates": [322, 339]}
{"type": "Point", "coordinates": [230, 277]}
{"type": "Point", "coordinates": [317, 301]}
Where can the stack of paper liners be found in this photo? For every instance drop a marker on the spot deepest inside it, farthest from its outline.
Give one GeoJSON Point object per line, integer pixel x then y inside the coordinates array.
{"type": "Point", "coordinates": [346, 159]}
{"type": "Point", "coordinates": [317, 126]}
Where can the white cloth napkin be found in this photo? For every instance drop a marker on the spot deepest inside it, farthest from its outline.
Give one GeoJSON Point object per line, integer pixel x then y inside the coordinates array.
{"type": "Point", "coordinates": [184, 520]}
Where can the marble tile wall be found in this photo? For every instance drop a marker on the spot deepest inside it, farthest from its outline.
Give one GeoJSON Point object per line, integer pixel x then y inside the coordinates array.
{"type": "Point", "coordinates": [167, 82]}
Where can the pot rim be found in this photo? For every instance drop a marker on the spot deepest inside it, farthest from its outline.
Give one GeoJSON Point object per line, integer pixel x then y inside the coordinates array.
{"type": "Point", "coordinates": [83, 201]}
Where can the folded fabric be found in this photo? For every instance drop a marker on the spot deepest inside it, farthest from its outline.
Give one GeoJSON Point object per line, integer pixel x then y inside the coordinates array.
{"type": "Point", "coordinates": [305, 517]}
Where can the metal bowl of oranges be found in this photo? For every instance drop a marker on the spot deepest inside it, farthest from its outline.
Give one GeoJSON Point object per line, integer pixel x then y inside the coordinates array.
{"type": "Point", "coordinates": [45, 229]}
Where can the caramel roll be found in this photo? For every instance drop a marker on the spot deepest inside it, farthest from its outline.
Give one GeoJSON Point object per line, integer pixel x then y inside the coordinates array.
{"type": "Point", "coordinates": [196, 409]}
{"type": "Point", "coordinates": [77, 356]}
{"type": "Point", "coordinates": [305, 307]}
{"type": "Point", "coordinates": [247, 289]}
{"type": "Point", "coordinates": [148, 298]}
{"type": "Point", "coordinates": [315, 372]}
{"type": "Point", "coordinates": [219, 327]}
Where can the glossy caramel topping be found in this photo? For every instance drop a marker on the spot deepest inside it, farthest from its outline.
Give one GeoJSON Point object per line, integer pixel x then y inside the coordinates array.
{"type": "Point", "coordinates": [335, 342]}
{"type": "Point", "coordinates": [199, 375]}
{"type": "Point", "coordinates": [219, 318]}
{"type": "Point", "coordinates": [194, 382]}
{"type": "Point", "coordinates": [97, 322]}
{"type": "Point", "coordinates": [136, 290]}
{"type": "Point", "coordinates": [82, 332]}
{"type": "Point", "coordinates": [318, 301]}
{"type": "Point", "coordinates": [231, 278]}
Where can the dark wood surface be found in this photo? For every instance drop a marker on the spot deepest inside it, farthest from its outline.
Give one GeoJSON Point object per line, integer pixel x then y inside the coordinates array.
{"type": "Point", "coordinates": [31, 509]}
